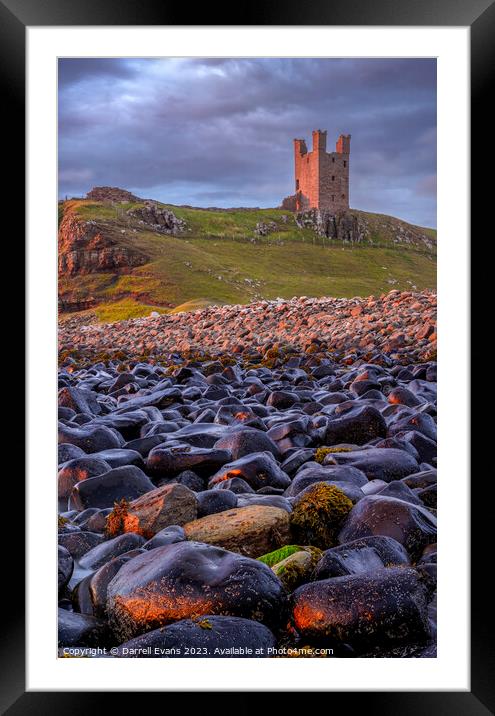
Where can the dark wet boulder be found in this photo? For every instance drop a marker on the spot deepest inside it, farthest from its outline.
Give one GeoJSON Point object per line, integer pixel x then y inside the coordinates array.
{"type": "Point", "coordinates": [295, 459]}
{"type": "Point", "coordinates": [401, 491]}
{"type": "Point", "coordinates": [361, 387]}
{"type": "Point", "coordinates": [80, 630]}
{"type": "Point", "coordinates": [420, 422]}
{"type": "Point", "coordinates": [358, 426]}
{"type": "Point", "coordinates": [281, 399]}
{"type": "Point", "coordinates": [420, 480]}
{"type": "Point", "coordinates": [168, 535]}
{"type": "Point", "coordinates": [202, 435]}
{"type": "Point", "coordinates": [411, 525]}
{"type": "Point", "coordinates": [65, 567]}
{"type": "Point", "coordinates": [383, 608]}
{"type": "Point", "coordinates": [211, 502]}
{"type": "Point", "coordinates": [362, 555]}
{"type": "Point", "coordinates": [234, 484]}
{"type": "Point", "coordinates": [210, 636]}
{"type": "Point", "coordinates": [161, 398]}
{"type": "Point", "coordinates": [78, 543]}
{"type": "Point", "coordinates": [120, 457]}
{"type": "Point", "coordinates": [67, 451]}
{"type": "Point", "coordinates": [167, 462]}
{"type": "Point", "coordinates": [90, 439]}
{"type": "Point", "coordinates": [428, 496]}
{"type": "Point", "coordinates": [127, 424]}
{"type": "Point", "coordinates": [312, 472]}
{"type": "Point", "coordinates": [237, 414]}
{"type": "Point", "coordinates": [78, 400]}
{"type": "Point", "coordinates": [189, 479]}
{"type": "Point", "coordinates": [81, 518]}
{"type": "Point", "coordinates": [258, 470]}
{"type": "Point", "coordinates": [90, 595]}
{"type": "Point", "coordinates": [144, 445]}
{"type": "Point", "coordinates": [295, 433]}
{"type": "Point", "coordinates": [103, 490]}
{"type": "Point", "coordinates": [66, 413]}
{"type": "Point", "coordinates": [245, 441]}
{"type": "Point", "coordinates": [403, 396]}
{"type": "Point", "coordinates": [102, 553]}
{"type": "Point", "coordinates": [429, 554]}
{"type": "Point", "coordinates": [425, 447]}
{"type": "Point", "coordinates": [188, 579]}
{"type": "Point", "coordinates": [80, 468]}
{"type": "Point", "coordinates": [385, 464]}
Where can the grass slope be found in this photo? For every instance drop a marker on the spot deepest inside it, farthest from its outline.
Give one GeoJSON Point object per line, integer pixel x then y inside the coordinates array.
{"type": "Point", "coordinates": [218, 261]}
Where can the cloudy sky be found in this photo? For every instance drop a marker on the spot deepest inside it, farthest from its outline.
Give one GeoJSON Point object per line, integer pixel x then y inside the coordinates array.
{"type": "Point", "coordinates": [218, 132]}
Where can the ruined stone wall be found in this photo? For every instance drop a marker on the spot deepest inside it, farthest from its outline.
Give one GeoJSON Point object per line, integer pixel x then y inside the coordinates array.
{"type": "Point", "coordinates": [307, 177]}
{"type": "Point", "coordinates": [334, 181]}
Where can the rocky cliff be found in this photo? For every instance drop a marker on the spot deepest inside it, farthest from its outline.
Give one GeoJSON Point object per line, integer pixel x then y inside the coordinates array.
{"type": "Point", "coordinates": [88, 246]}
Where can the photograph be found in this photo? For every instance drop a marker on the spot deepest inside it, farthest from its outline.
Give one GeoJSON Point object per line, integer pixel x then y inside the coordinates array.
{"type": "Point", "coordinates": [247, 357]}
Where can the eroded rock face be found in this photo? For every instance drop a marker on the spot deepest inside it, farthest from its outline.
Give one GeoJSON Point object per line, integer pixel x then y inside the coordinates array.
{"type": "Point", "coordinates": [343, 226]}
{"type": "Point", "coordinates": [159, 219]}
{"type": "Point", "coordinates": [86, 247]}
{"type": "Point", "coordinates": [188, 579]}
{"type": "Point", "coordinates": [384, 608]}
{"type": "Point", "coordinates": [110, 193]}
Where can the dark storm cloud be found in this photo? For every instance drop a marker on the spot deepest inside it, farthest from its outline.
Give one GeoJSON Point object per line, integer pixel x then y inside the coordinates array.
{"type": "Point", "coordinates": [219, 131]}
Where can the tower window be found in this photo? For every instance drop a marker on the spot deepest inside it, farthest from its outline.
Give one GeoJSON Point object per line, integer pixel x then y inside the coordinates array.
{"type": "Point", "coordinates": [333, 160]}
{"type": "Point", "coordinates": [333, 178]}
{"type": "Point", "coordinates": [343, 196]}
{"type": "Point", "coordinates": [297, 184]}
{"type": "Point", "coordinates": [345, 163]}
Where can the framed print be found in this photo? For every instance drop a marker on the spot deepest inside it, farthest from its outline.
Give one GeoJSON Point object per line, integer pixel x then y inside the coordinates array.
{"type": "Point", "coordinates": [247, 352]}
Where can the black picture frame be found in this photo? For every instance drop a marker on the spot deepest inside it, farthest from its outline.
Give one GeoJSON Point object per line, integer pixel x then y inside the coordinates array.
{"type": "Point", "coordinates": [15, 17]}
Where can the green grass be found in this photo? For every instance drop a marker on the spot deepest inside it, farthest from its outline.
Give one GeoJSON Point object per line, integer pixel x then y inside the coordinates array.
{"type": "Point", "coordinates": [219, 260]}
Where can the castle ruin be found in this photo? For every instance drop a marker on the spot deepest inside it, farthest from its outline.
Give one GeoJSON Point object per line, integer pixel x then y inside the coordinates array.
{"type": "Point", "coordinates": [321, 177]}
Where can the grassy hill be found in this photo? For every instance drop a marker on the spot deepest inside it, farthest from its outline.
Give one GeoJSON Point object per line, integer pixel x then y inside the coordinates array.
{"type": "Point", "coordinates": [219, 259]}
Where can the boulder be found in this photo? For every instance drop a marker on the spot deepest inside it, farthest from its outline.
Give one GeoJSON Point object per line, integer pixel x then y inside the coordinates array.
{"type": "Point", "coordinates": [252, 531]}
{"type": "Point", "coordinates": [165, 461]}
{"type": "Point", "coordinates": [172, 504]}
{"type": "Point", "coordinates": [187, 579]}
{"type": "Point", "coordinates": [210, 636]}
{"type": "Point", "coordinates": [384, 608]}
{"type": "Point", "coordinates": [412, 526]}
{"type": "Point", "coordinates": [258, 470]}
{"type": "Point", "coordinates": [102, 553]}
{"type": "Point", "coordinates": [358, 426]}
{"type": "Point", "coordinates": [121, 483]}
{"type": "Point", "coordinates": [362, 555]}
{"type": "Point", "coordinates": [317, 515]}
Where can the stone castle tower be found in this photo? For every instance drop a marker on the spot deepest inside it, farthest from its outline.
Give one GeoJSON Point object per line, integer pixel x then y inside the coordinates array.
{"type": "Point", "coordinates": [322, 178]}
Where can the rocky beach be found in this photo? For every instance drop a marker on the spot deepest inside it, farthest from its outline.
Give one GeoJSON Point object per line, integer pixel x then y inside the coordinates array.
{"type": "Point", "coordinates": [250, 481]}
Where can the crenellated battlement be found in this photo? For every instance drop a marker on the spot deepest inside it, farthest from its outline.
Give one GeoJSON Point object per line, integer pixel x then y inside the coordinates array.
{"type": "Point", "coordinates": [321, 177]}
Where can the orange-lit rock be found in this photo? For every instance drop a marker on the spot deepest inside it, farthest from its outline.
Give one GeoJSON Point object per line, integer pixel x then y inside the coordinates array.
{"type": "Point", "coordinates": [172, 504]}
{"type": "Point", "coordinates": [381, 608]}
{"type": "Point", "coordinates": [188, 579]}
